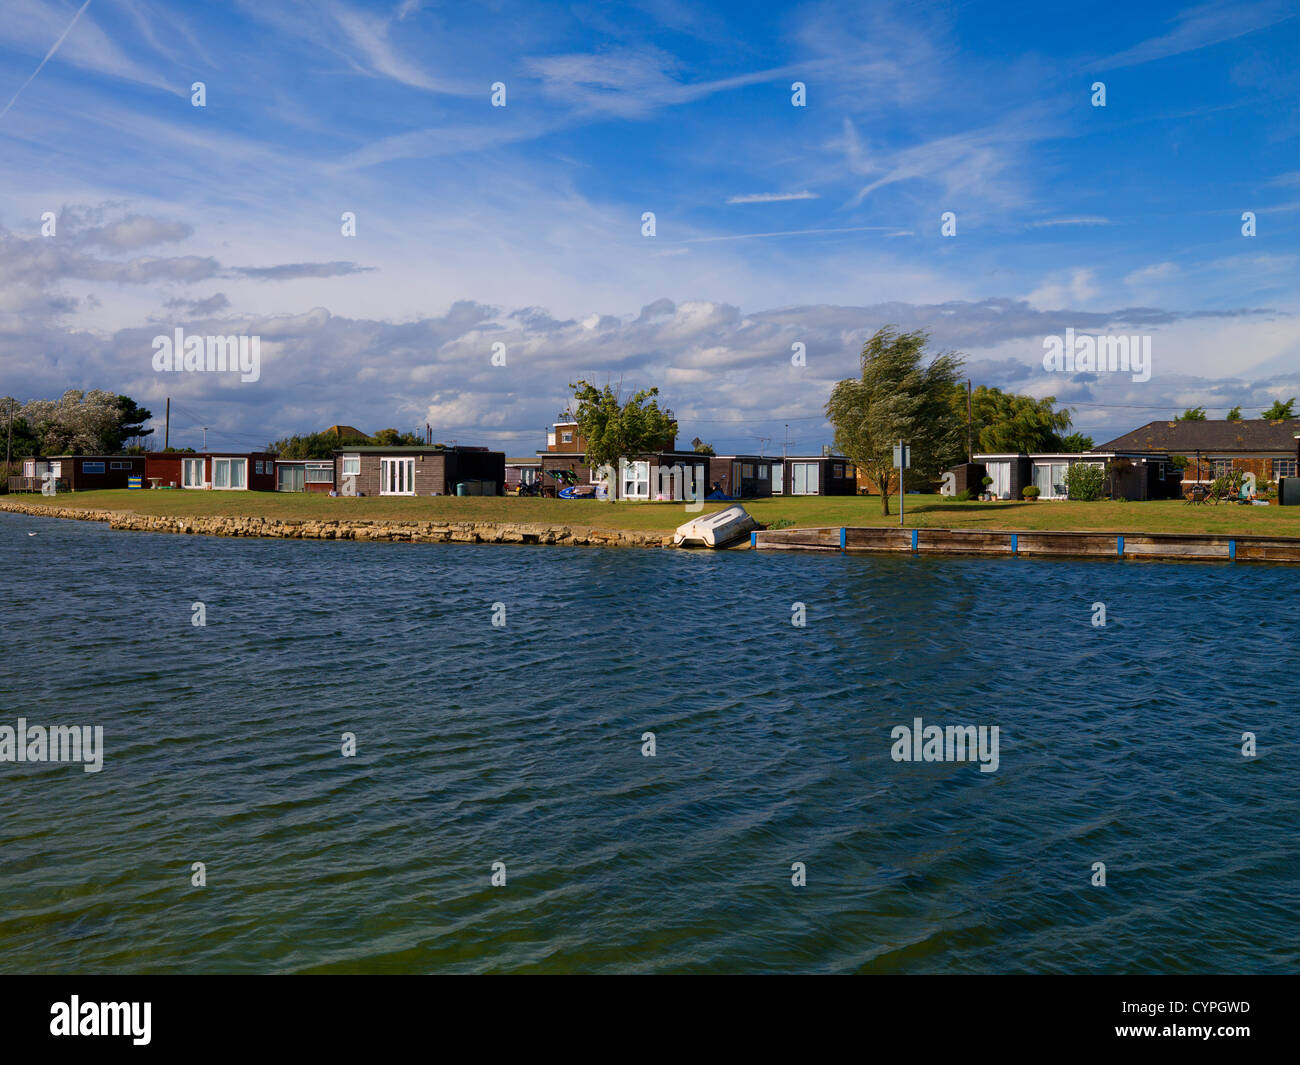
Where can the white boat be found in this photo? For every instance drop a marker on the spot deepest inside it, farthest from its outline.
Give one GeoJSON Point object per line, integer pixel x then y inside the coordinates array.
{"type": "Point", "coordinates": [715, 530]}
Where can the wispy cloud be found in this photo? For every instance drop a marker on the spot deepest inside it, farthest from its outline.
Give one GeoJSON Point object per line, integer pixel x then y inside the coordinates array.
{"type": "Point", "coordinates": [48, 56]}
{"type": "Point", "coordinates": [773, 197]}
{"type": "Point", "coordinates": [1077, 220]}
{"type": "Point", "coordinates": [1202, 27]}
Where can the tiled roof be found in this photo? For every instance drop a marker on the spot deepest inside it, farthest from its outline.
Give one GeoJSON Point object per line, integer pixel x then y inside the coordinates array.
{"type": "Point", "coordinates": [1181, 437]}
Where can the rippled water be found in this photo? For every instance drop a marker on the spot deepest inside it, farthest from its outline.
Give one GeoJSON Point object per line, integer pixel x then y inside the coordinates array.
{"type": "Point", "coordinates": [522, 745]}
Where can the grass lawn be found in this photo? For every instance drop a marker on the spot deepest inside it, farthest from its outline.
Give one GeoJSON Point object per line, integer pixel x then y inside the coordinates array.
{"type": "Point", "coordinates": [922, 511]}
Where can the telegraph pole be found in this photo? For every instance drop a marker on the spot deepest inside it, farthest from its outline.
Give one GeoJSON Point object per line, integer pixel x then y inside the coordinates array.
{"type": "Point", "coordinates": [970, 437]}
{"type": "Point", "coordinates": [10, 440]}
{"type": "Point", "coordinates": [167, 425]}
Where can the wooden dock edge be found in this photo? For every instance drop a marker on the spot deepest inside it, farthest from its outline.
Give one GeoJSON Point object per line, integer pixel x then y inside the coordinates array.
{"type": "Point", "coordinates": [1013, 544]}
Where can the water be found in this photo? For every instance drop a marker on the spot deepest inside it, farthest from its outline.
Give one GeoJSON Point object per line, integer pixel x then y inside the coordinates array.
{"type": "Point", "coordinates": [522, 745]}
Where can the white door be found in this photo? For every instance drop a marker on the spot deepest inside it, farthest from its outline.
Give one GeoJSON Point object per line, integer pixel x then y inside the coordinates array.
{"type": "Point", "coordinates": [192, 473]}
{"type": "Point", "coordinates": [803, 479]}
{"type": "Point", "coordinates": [397, 477]}
{"type": "Point", "coordinates": [778, 472]}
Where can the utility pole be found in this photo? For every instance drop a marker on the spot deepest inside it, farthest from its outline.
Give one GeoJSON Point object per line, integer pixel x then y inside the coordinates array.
{"type": "Point", "coordinates": [205, 438]}
{"type": "Point", "coordinates": [10, 441]}
{"type": "Point", "coordinates": [167, 425]}
{"type": "Point", "coordinates": [970, 437]}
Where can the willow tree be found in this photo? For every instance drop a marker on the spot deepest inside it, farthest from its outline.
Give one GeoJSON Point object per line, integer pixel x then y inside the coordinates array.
{"type": "Point", "coordinates": [901, 395]}
{"type": "Point", "coordinates": [615, 430]}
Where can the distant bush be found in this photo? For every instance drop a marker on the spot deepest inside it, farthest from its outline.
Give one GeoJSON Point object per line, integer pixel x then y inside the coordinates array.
{"type": "Point", "coordinates": [964, 496]}
{"type": "Point", "coordinates": [780, 523]}
{"type": "Point", "coordinates": [1084, 481]}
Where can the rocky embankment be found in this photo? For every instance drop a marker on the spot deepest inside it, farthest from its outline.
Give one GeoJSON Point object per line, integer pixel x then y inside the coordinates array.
{"type": "Point", "coordinates": [422, 532]}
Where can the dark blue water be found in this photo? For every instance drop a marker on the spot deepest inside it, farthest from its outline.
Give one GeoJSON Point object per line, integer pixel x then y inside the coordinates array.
{"type": "Point", "coordinates": [522, 745]}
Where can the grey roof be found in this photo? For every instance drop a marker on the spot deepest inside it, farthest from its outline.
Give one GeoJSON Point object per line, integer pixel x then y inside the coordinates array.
{"type": "Point", "coordinates": [1247, 435]}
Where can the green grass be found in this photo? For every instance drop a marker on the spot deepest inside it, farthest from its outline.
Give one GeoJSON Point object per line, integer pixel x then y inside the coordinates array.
{"type": "Point", "coordinates": [922, 511]}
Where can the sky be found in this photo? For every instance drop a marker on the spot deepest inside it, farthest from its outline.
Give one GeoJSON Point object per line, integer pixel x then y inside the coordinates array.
{"type": "Point", "coordinates": [781, 218]}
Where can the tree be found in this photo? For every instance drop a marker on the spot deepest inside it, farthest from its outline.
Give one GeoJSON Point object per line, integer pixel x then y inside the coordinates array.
{"type": "Point", "coordinates": [77, 423]}
{"type": "Point", "coordinates": [1280, 411]}
{"type": "Point", "coordinates": [898, 397]}
{"type": "Point", "coordinates": [701, 448]}
{"type": "Point", "coordinates": [1192, 414]}
{"type": "Point", "coordinates": [1005, 422]}
{"type": "Point", "coordinates": [615, 430]}
{"type": "Point", "coordinates": [1076, 442]}
{"type": "Point", "coordinates": [392, 438]}
{"type": "Point", "coordinates": [1234, 415]}
{"type": "Point", "coordinates": [130, 424]}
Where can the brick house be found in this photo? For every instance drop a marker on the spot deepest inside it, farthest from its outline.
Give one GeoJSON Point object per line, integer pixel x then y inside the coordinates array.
{"type": "Point", "coordinates": [1268, 449]}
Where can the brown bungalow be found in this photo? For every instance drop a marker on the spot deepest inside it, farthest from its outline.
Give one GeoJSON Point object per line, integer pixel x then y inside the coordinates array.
{"type": "Point", "coordinates": [419, 471]}
{"type": "Point", "coordinates": [78, 473]}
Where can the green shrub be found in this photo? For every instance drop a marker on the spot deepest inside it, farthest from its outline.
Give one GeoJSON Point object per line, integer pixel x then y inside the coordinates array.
{"type": "Point", "coordinates": [1031, 491]}
{"type": "Point", "coordinates": [1084, 481]}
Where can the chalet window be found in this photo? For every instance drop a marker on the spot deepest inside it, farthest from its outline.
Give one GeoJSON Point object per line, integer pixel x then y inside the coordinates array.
{"type": "Point", "coordinates": [1222, 467]}
{"type": "Point", "coordinates": [290, 478]}
{"type": "Point", "coordinates": [763, 470]}
{"type": "Point", "coordinates": [566, 437]}
{"type": "Point", "coordinates": [320, 473]}
{"type": "Point", "coordinates": [636, 480]}
{"type": "Point", "coordinates": [229, 473]}
{"type": "Point", "coordinates": [747, 471]}
{"type": "Point", "coordinates": [804, 479]}
{"type": "Point", "coordinates": [837, 470]}
{"type": "Point", "coordinates": [351, 465]}
{"type": "Point", "coordinates": [1283, 468]}
{"type": "Point", "coordinates": [119, 466]}
{"type": "Point", "coordinates": [191, 473]}
{"type": "Point", "coordinates": [92, 467]}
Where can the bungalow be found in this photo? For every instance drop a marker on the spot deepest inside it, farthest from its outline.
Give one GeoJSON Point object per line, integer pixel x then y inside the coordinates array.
{"type": "Point", "coordinates": [304, 475]}
{"type": "Point", "coordinates": [78, 473]}
{"type": "Point", "coordinates": [1268, 449]}
{"type": "Point", "coordinates": [227, 471]}
{"type": "Point", "coordinates": [814, 475]}
{"type": "Point", "coordinates": [1136, 475]}
{"type": "Point", "coordinates": [431, 470]}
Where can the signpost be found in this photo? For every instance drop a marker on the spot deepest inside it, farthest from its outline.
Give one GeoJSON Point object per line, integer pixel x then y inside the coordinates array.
{"type": "Point", "coordinates": [902, 461]}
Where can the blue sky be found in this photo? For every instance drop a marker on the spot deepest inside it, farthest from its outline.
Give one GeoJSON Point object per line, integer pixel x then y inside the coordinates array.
{"type": "Point", "coordinates": [521, 224]}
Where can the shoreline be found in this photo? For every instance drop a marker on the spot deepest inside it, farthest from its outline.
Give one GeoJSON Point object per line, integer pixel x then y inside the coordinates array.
{"type": "Point", "coordinates": [988, 543]}
{"type": "Point", "coordinates": [382, 531]}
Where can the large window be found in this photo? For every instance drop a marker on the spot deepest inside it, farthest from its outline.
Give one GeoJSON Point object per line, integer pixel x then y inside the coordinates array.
{"type": "Point", "coordinates": [1049, 479]}
{"type": "Point", "coordinates": [92, 467]}
{"type": "Point", "coordinates": [1283, 468]}
{"type": "Point", "coordinates": [229, 473]}
{"type": "Point", "coordinates": [290, 479]}
{"type": "Point", "coordinates": [397, 477]}
{"type": "Point", "coordinates": [1222, 467]}
{"type": "Point", "coordinates": [636, 480]}
{"type": "Point", "coordinates": [192, 473]}
{"type": "Point", "coordinates": [804, 479]}
{"type": "Point", "coordinates": [319, 472]}
{"type": "Point", "coordinates": [351, 465]}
